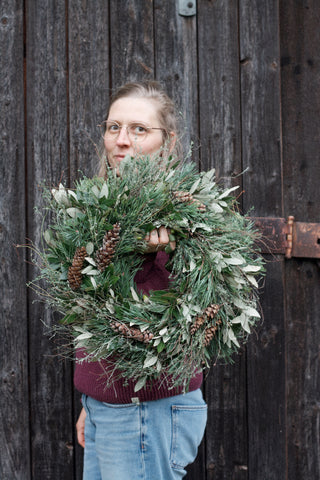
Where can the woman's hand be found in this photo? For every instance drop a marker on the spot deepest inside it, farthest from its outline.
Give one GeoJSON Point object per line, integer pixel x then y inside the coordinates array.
{"type": "Point", "coordinates": [158, 239]}
{"type": "Point", "coordinates": [80, 427]}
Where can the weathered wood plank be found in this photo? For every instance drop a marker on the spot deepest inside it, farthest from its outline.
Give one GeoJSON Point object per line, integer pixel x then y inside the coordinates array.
{"type": "Point", "coordinates": [176, 66]}
{"type": "Point", "coordinates": [300, 79]}
{"type": "Point", "coordinates": [88, 76]}
{"type": "Point", "coordinates": [261, 131]}
{"type": "Point", "coordinates": [14, 423]}
{"type": "Point", "coordinates": [176, 69]}
{"type": "Point", "coordinates": [47, 160]}
{"type": "Point", "coordinates": [89, 89]}
{"type": "Point", "coordinates": [260, 104]}
{"type": "Point", "coordinates": [219, 87]}
{"type": "Point", "coordinates": [131, 41]}
{"type": "Point", "coordinates": [267, 382]}
{"type": "Point", "coordinates": [300, 59]}
{"type": "Point", "coordinates": [226, 437]}
{"type": "Point", "coordinates": [303, 377]}
{"type": "Point", "coordinates": [220, 129]}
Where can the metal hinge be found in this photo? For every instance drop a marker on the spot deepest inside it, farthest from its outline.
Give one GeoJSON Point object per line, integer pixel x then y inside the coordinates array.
{"type": "Point", "coordinates": [288, 237]}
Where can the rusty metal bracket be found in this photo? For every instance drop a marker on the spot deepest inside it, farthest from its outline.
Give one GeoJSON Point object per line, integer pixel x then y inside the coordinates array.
{"type": "Point", "coordinates": [274, 233]}
{"type": "Point", "coordinates": [288, 237]}
{"type": "Point", "coordinates": [306, 240]}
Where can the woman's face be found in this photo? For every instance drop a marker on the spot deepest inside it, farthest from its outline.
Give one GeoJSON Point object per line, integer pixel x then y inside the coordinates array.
{"type": "Point", "coordinates": [126, 111]}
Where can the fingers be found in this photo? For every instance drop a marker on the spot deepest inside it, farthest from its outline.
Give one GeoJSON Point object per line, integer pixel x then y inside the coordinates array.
{"type": "Point", "coordinates": [153, 239]}
{"type": "Point", "coordinates": [80, 427]}
{"type": "Point", "coordinates": [163, 236]}
{"type": "Point", "coordinates": [172, 245]}
{"type": "Point", "coordinates": [158, 239]}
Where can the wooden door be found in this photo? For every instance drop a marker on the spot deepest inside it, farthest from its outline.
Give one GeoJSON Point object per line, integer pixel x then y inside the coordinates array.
{"type": "Point", "coordinates": [245, 76]}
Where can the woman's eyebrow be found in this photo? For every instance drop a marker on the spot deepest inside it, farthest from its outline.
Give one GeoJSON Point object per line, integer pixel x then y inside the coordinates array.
{"type": "Point", "coordinates": [132, 121]}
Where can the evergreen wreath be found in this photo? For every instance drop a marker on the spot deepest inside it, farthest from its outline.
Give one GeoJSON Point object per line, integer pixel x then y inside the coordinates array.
{"type": "Point", "coordinates": [95, 246]}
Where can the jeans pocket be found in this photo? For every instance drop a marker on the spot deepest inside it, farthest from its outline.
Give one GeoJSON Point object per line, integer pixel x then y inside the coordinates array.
{"type": "Point", "coordinates": [119, 406]}
{"type": "Point", "coordinates": [188, 425]}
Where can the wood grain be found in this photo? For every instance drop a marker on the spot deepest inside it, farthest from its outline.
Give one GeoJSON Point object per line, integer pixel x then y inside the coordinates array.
{"type": "Point", "coordinates": [60, 61]}
{"type": "Point", "coordinates": [220, 130]}
{"type": "Point", "coordinates": [88, 98]}
{"type": "Point", "coordinates": [131, 41]}
{"type": "Point", "coordinates": [262, 182]}
{"type": "Point", "coordinates": [88, 82]}
{"type": "Point", "coordinates": [219, 87]}
{"type": "Point", "coordinates": [47, 161]}
{"type": "Point", "coordinates": [300, 59]}
{"type": "Point", "coordinates": [176, 67]}
{"type": "Point", "coordinates": [14, 420]}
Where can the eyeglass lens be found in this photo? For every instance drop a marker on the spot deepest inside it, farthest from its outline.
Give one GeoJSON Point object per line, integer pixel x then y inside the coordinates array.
{"type": "Point", "coordinates": [134, 130]}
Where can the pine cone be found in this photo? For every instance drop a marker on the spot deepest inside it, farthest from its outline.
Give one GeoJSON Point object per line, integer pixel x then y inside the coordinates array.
{"type": "Point", "coordinates": [197, 324]}
{"type": "Point", "coordinates": [210, 333]}
{"type": "Point", "coordinates": [212, 310]}
{"type": "Point", "coordinates": [132, 332]}
{"type": "Point", "coordinates": [187, 197]}
{"type": "Point", "coordinates": [74, 272]}
{"type": "Point", "coordinates": [106, 252]}
{"type": "Point", "coordinates": [209, 313]}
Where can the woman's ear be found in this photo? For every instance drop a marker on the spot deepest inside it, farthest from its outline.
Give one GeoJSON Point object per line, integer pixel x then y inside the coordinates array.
{"type": "Point", "coordinates": [172, 141]}
{"type": "Point", "coordinates": [168, 145]}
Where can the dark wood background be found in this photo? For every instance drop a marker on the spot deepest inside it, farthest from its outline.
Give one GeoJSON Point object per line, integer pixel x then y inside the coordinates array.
{"type": "Point", "coordinates": [245, 75]}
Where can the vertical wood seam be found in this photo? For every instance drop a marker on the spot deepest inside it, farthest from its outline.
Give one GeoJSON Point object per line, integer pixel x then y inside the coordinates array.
{"type": "Point", "coordinates": [154, 39]}
{"type": "Point", "coordinates": [68, 128]}
{"type": "Point", "coordinates": [204, 390]}
{"type": "Point", "coordinates": [26, 223]}
{"type": "Point", "coordinates": [198, 92]}
{"type": "Point", "coordinates": [240, 87]}
{"type": "Point", "coordinates": [109, 53]}
{"type": "Point", "coordinates": [283, 261]}
{"type": "Point", "coordinates": [67, 89]}
{"type": "Point", "coordinates": [241, 170]}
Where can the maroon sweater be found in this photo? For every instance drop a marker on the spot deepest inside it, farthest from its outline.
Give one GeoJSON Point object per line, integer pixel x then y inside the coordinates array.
{"type": "Point", "coordinates": [91, 377]}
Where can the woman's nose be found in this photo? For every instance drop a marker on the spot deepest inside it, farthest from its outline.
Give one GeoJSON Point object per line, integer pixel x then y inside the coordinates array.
{"type": "Point", "coordinates": [123, 138]}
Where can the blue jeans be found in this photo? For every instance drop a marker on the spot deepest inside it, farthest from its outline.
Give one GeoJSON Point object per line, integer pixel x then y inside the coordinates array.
{"type": "Point", "coordinates": [148, 441]}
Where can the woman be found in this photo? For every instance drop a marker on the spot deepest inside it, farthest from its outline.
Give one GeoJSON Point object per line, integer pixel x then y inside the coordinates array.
{"type": "Point", "coordinates": [155, 432]}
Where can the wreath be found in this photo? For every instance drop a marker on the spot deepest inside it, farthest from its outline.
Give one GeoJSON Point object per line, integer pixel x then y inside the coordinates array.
{"type": "Point", "coordinates": [95, 246]}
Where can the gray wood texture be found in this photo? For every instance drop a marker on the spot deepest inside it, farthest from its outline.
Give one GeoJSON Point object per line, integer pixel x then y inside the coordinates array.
{"type": "Point", "coordinates": [47, 161]}
{"type": "Point", "coordinates": [88, 82]}
{"type": "Point", "coordinates": [14, 418]}
{"type": "Point", "coordinates": [245, 77]}
{"type": "Point", "coordinates": [176, 65]}
{"type": "Point", "coordinates": [262, 183]}
{"type": "Point", "coordinates": [300, 80]}
{"type": "Point", "coordinates": [220, 134]}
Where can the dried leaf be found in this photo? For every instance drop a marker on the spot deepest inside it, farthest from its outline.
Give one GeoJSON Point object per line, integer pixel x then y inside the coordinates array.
{"type": "Point", "coordinates": [140, 384]}
{"type": "Point", "coordinates": [150, 360]}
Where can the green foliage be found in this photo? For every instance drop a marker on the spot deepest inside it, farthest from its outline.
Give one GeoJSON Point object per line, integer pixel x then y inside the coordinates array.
{"type": "Point", "coordinates": [215, 262]}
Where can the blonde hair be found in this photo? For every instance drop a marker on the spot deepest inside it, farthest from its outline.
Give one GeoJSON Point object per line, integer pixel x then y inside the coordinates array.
{"type": "Point", "coordinates": [148, 89]}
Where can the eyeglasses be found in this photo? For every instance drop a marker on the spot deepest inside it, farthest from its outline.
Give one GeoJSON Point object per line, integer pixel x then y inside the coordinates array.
{"type": "Point", "coordinates": [137, 131]}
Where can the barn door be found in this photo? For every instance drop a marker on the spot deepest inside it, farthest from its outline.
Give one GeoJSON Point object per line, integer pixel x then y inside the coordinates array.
{"type": "Point", "coordinates": [245, 76]}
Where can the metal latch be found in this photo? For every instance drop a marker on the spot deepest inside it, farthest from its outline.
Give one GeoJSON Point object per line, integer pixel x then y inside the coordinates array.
{"type": "Point", "coordinates": [187, 8]}
{"type": "Point", "coordinates": [288, 237]}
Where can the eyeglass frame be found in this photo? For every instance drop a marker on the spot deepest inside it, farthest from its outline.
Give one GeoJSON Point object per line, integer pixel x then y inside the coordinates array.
{"type": "Point", "coordinates": [115, 135]}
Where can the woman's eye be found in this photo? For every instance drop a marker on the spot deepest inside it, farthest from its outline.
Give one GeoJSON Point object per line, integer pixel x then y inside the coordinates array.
{"type": "Point", "coordinates": [113, 128]}
{"type": "Point", "coordinates": [138, 129]}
